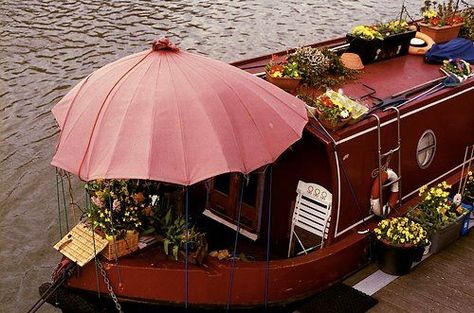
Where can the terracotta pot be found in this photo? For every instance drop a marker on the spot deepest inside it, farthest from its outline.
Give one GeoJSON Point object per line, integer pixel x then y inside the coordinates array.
{"type": "Point", "coordinates": [441, 33]}
{"type": "Point", "coordinates": [285, 83]}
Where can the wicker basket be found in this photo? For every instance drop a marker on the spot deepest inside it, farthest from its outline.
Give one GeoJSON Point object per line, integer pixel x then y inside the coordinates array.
{"type": "Point", "coordinates": [118, 248]}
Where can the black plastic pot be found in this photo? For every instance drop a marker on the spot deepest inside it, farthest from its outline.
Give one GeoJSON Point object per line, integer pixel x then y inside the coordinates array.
{"type": "Point", "coordinates": [418, 255]}
{"type": "Point", "coordinates": [395, 260]}
{"type": "Point", "coordinates": [376, 50]}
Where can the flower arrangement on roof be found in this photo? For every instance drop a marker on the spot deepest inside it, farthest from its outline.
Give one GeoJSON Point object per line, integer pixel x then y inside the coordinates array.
{"type": "Point", "coordinates": [457, 67]}
{"type": "Point", "coordinates": [320, 67]}
{"type": "Point", "coordinates": [119, 205]}
{"type": "Point", "coordinates": [401, 231]}
{"type": "Point", "coordinates": [279, 67]}
{"type": "Point", "coordinates": [435, 211]}
{"type": "Point", "coordinates": [380, 30]}
{"type": "Point", "coordinates": [440, 14]}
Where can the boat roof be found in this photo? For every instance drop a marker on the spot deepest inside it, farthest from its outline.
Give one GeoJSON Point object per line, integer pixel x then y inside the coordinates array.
{"type": "Point", "coordinates": [386, 77]}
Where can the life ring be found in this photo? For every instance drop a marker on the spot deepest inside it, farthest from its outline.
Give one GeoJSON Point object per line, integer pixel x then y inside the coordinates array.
{"type": "Point", "coordinates": [387, 177]}
{"type": "Point", "coordinates": [421, 50]}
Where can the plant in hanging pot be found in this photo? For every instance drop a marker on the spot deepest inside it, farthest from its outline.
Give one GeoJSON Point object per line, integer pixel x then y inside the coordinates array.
{"type": "Point", "coordinates": [283, 73]}
{"type": "Point", "coordinates": [119, 209]}
{"type": "Point", "coordinates": [441, 218]}
{"type": "Point", "coordinates": [440, 21]}
{"type": "Point", "coordinates": [399, 242]}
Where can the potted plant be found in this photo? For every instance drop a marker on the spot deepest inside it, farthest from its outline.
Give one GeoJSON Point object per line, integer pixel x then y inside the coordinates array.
{"type": "Point", "coordinates": [381, 41]}
{"type": "Point", "coordinates": [440, 21]}
{"type": "Point", "coordinates": [333, 109]}
{"type": "Point", "coordinates": [467, 29]}
{"type": "Point", "coordinates": [282, 73]}
{"type": "Point", "coordinates": [399, 240]}
{"type": "Point", "coordinates": [440, 217]}
{"type": "Point", "coordinates": [176, 237]}
{"type": "Point", "coordinates": [118, 210]}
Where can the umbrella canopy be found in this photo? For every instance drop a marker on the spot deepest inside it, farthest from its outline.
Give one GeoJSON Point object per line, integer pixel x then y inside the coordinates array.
{"type": "Point", "coordinates": [173, 116]}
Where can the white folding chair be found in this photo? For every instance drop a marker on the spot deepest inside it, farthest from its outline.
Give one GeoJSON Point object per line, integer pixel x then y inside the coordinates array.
{"type": "Point", "coordinates": [312, 213]}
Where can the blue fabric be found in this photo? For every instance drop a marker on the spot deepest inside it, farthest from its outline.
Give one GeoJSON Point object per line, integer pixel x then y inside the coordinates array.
{"type": "Point", "coordinates": [453, 49]}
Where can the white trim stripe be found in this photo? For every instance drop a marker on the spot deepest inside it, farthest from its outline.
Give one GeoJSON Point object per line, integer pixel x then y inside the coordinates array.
{"type": "Point", "coordinates": [403, 116]}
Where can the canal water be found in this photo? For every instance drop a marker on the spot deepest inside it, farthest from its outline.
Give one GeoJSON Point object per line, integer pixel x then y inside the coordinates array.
{"type": "Point", "coordinates": [47, 46]}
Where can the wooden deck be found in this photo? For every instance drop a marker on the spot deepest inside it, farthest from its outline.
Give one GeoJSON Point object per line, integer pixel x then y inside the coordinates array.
{"type": "Point", "coordinates": [444, 282]}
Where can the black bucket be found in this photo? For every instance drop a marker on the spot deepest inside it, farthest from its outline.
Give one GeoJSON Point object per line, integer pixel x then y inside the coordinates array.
{"type": "Point", "coordinates": [395, 260]}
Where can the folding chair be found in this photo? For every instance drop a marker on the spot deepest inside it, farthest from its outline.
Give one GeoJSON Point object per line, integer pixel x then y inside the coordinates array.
{"type": "Point", "coordinates": [312, 213]}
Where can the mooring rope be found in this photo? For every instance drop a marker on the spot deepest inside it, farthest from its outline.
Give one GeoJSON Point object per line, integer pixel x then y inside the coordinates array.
{"type": "Point", "coordinates": [269, 223]}
{"type": "Point", "coordinates": [234, 257]}
{"type": "Point", "coordinates": [186, 249]}
{"type": "Point", "coordinates": [59, 205]}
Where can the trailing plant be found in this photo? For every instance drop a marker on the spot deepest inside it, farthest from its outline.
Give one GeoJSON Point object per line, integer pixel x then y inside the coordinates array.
{"type": "Point", "coordinates": [440, 14]}
{"type": "Point", "coordinates": [118, 205]}
{"type": "Point", "coordinates": [400, 231]}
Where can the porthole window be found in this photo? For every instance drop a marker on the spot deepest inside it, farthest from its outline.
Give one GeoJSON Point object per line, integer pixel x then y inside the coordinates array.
{"type": "Point", "coordinates": [426, 148]}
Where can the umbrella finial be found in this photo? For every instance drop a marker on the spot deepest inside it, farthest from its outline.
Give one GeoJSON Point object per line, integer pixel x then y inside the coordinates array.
{"type": "Point", "coordinates": [164, 43]}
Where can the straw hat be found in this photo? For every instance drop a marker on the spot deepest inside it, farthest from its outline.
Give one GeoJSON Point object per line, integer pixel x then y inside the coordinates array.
{"type": "Point", "coordinates": [352, 61]}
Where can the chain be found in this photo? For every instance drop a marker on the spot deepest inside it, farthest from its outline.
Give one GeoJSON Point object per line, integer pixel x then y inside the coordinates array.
{"type": "Point", "coordinates": [109, 287]}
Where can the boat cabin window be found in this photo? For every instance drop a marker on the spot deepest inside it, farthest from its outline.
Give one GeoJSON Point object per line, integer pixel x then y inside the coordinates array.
{"type": "Point", "coordinates": [426, 149]}
{"type": "Point", "coordinates": [224, 198]}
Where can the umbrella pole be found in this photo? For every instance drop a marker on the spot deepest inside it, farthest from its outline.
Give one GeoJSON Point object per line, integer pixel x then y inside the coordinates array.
{"type": "Point", "coordinates": [186, 247]}
{"type": "Point", "coordinates": [269, 223]}
{"type": "Point", "coordinates": [236, 239]}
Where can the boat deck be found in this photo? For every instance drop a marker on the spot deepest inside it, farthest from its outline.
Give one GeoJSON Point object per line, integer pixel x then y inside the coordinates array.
{"type": "Point", "coordinates": [442, 282]}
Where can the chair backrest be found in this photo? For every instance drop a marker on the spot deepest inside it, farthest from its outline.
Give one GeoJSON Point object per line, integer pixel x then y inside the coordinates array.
{"type": "Point", "coordinates": [312, 208]}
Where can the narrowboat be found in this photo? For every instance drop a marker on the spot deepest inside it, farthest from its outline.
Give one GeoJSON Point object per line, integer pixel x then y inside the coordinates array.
{"type": "Point", "coordinates": [421, 142]}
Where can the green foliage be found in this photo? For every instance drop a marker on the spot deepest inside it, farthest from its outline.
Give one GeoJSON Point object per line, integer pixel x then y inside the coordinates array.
{"type": "Point", "coordinates": [467, 30]}
{"type": "Point", "coordinates": [321, 68]}
{"type": "Point", "coordinates": [176, 236]}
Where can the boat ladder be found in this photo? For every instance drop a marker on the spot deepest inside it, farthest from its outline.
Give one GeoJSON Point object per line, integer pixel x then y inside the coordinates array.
{"type": "Point", "coordinates": [388, 155]}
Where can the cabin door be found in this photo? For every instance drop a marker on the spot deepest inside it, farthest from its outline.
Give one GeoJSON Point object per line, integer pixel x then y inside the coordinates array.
{"type": "Point", "coordinates": [224, 199]}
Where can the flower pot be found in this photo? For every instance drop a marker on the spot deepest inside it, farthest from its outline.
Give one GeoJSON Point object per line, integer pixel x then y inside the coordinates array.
{"type": "Point", "coordinates": [441, 33]}
{"type": "Point", "coordinates": [442, 238]}
{"type": "Point", "coordinates": [285, 83]}
{"type": "Point", "coordinates": [333, 125]}
{"type": "Point", "coordinates": [395, 260]}
{"type": "Point", "coordinates": [121, 247]}
{"type": "Point", "coordinates": [376, 50]}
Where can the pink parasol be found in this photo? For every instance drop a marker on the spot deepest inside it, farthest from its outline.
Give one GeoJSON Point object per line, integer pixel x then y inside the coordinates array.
{"type": "Point", "coordinates": [173, 116]}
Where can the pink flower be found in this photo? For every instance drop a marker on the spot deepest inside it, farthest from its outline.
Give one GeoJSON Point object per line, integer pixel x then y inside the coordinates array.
{"type": "Point", "coordinates": [116, 205]}
{"type": "Point", "coordinates": [97, 201]}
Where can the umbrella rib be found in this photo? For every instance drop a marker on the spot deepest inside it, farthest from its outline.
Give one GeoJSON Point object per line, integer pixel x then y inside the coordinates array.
{"type": "Point", "coordinates": [187, 179]}
{"type": "Point", "coordinates": [254, 81]}
{"type": "Point", "coordinates": [246, 109]}
{"type": "Point", "coordinates": [103, 71]}
{"type": "Point", "coordinates": [152, 124]}
{"type": "Point", "coordinates": [100, 110]}
{"type": "Point", "coordinates": [124, 115]}
{"type": "Point", "coordinates": [191, 69]}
